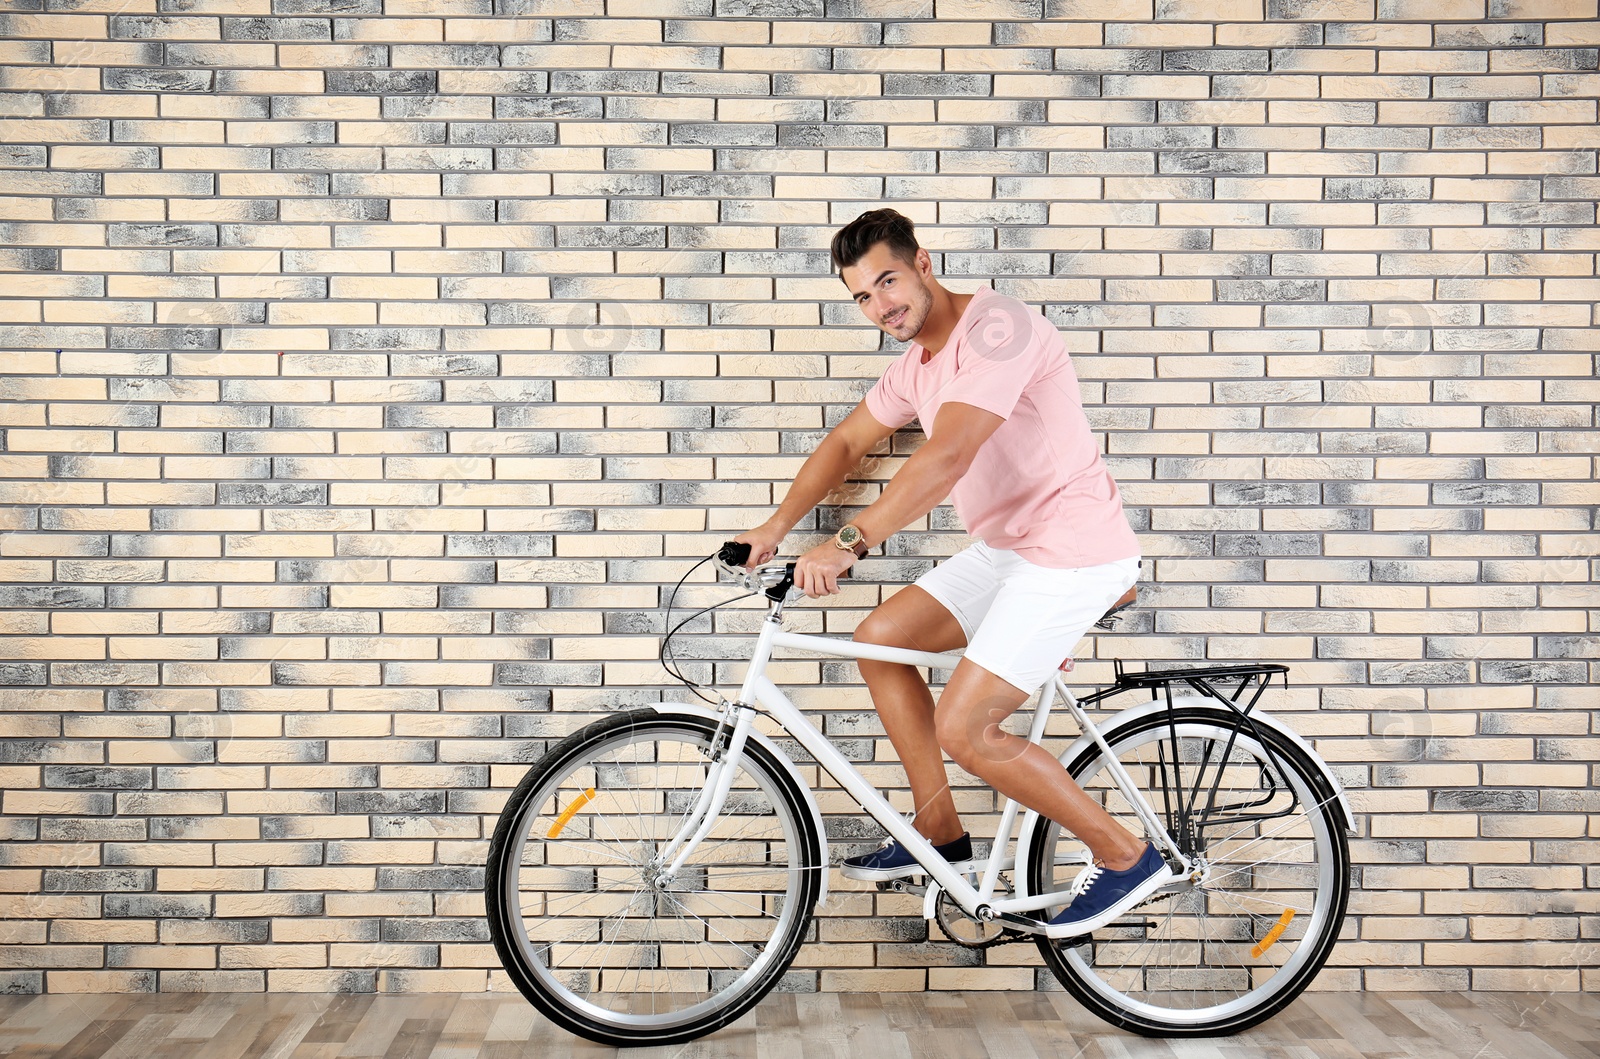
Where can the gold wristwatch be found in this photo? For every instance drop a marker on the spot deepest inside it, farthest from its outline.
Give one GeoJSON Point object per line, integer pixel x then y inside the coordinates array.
{"type": "Point", "coordinates": [849, 539]}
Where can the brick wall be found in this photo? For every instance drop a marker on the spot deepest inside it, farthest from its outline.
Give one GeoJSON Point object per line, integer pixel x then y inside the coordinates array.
{"type": "Point", "coordinates": [371, 369]}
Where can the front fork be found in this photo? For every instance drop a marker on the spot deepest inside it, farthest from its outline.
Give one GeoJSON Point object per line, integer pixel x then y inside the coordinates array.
{"type": "Point", "coordinates": [724, 758]}
{"type": "Point", "coordinates": [727, 749]}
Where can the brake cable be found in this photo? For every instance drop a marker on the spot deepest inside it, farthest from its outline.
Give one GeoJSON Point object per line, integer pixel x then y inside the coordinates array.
{"type": "Point", "coordinates": [665, 656]}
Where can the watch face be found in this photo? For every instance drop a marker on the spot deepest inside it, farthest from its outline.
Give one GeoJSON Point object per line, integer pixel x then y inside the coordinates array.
{"type": "Point", "coordinates": [849, 536]}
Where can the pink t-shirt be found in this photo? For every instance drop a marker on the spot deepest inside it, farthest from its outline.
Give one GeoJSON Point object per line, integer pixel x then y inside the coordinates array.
{"type": "Point", "coordinates": [1038, 486]}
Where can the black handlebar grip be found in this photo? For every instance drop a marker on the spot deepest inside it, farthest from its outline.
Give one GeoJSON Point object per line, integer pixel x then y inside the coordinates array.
{"type": "Point", "coordinates": [734, 553]}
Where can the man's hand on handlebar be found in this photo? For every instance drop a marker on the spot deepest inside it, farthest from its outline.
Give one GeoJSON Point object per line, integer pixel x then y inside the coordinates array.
{"type": "Point", "coordinates": [817, 572]}
{"type": "Point", "coordinates": [764, 541]}
{"type": "Point", "coordinates": [822, 566]}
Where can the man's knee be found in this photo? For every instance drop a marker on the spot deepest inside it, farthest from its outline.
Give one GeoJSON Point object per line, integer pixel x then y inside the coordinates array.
{"type": "Point", "coordinates": [958, 731]}
{"type": "Point", "coordinates": [879, 630]}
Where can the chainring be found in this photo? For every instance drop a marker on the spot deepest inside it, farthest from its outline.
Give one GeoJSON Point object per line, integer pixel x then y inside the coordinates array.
{"type": "Point", "coordinates": [970, 933]}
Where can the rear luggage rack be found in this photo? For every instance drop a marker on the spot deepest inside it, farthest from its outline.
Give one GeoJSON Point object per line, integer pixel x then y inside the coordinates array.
{"type": "Point", "coordinates": [1189, 815]}
{"type": "Point", "coordinates": [1212, 681]}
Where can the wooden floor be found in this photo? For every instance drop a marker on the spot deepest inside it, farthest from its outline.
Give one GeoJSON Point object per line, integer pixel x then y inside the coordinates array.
{"type": "Point", "coordinates": [860, 1026]}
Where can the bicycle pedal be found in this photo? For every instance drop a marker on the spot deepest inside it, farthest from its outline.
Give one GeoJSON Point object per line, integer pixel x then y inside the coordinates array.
{"type": "Point", "coordinates": [902, 886]}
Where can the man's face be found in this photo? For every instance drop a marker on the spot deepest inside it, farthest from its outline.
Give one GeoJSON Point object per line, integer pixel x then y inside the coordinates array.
{"type": "Point", "coordinates": [889, 291]}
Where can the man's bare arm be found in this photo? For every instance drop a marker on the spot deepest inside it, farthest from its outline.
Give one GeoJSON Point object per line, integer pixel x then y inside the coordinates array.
{"type": "Point", "coordinates": [827, 468]}
{"type": "Point", "coordinates": [931, 472]}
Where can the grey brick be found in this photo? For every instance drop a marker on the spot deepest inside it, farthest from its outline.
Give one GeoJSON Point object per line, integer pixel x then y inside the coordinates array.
{"type": "Point", "coordinates": [175, 338]}
{"type": "Point", "coordinates": [546, 673]}
{"type": "Point", "coordinates": [277, 29]}
{"type": "Point", "coordinates": [107, 777]}
{"type": "Point", "coordinates": [831, 135]}
{"type": "Point", "coordinates": [475, 132]}
{"type": "Point", "coordinates": [1212, 162]}
{"type": "Point", "coordinates": [15, 674]}
{"type": "Point", "coordinates": [724, 135]}
{"type": "Point", "coordinates": [49, 597]}
{"type": "Point", "coordinates": [97, 880]}
{"type": "Point", "coordinates": [1268, 544]}
{"type": "Point", "coordinates": [19, 155]}
{"type": "Point", "coordinates": [27, 259]}
{"type": "Point", "coordinates": [454, 879]}
{"type": "Point", "coordinates": [596, 82]}
{"type": "Point", "coordinates": [387, 338]}
{"type": "Point", "coordinates": [586, 107]}
{"type": "Point", "coordinates": [381, 802]}
{"type": "Point", "coordinates": [433, 929]}
{"type": "Point", "coordinates": [134, 27]}
{"type": "Point", "coordinates": [1421, 672]}
{"type": "Point", "coordinates": [620, 235]}
{"type": "Point", "coordinates": [382, 82]}
{"type": "Point", "coordinates": [156, 906]}
{"type": "Point", "coordinates": [939, 86]}
{"type": "Point", "coordinates": [23, 983]}
{"type": "Point", "coordinates": [499, 544]}
{"type": "Point", "coordinates": [1365, 188]}
{"type": "Point", "coordinates": [1253, 494]}
{"type": "Point", "coordinates": [1216, 60]}
{"type": "Point", "coordinates": [1532, 672]}
{"type": "Point", "coordinates": [1568, 646]}
{"type": "Point", "coordinates": [770, 8]}
{"type": "Point", "coordinates": [1144, 137]}
{"type": "Point", "coordinates": [272, 494]}
{"type": "Point", "coordinates": [142, 79]}
{"type": "Point", "coordinates": [161, 234]}
{"type": "Point", "coordinates": [1485, 800]}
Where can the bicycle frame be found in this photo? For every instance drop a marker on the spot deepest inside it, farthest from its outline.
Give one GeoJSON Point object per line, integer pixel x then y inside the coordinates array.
{"type": "Point", "coordinates": [757, 689]}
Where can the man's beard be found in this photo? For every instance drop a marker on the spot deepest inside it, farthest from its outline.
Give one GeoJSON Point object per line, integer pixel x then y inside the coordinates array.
{"type": "Point", "coordinates": [916, 315]}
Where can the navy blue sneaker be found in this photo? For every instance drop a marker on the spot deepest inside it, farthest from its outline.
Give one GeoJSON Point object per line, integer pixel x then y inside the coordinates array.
{"type": "Point", "coordinates": [1104, 895]}
{"type": "Point", "coordinates": [890, 861]}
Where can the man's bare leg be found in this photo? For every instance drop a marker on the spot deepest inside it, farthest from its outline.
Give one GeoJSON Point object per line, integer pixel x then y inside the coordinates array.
{"type": "Point", "coordinates": [914, 620]}
{"type": "Point", "coordinates": [967, 726]}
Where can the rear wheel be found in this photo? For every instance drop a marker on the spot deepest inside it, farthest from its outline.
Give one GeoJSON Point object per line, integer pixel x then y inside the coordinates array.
{"type": "Point", "coordinates": [588, 926]}
{"type": "Point", "coordinates": [1225, 950]}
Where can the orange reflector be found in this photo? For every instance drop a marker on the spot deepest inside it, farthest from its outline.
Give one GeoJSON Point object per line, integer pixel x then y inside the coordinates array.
{"type": "Point", "coordinates": [570, 811]}
{"type": "Point", "coordinates": [1274, 934]}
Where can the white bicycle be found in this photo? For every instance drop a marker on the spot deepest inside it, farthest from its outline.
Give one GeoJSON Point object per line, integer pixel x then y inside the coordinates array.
{"type": "Point", "coordinates": [654, 874]}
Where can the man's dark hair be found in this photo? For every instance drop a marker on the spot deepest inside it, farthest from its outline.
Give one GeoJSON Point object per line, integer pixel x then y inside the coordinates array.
{"type": "Point", "coordinates": [852, 242]}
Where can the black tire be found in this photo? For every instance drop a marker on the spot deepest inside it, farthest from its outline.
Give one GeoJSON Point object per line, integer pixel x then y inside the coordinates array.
{"type": "Point", "coordinates": [547, 988]}
{"type": "Point", "coordinates": [1134, 997]}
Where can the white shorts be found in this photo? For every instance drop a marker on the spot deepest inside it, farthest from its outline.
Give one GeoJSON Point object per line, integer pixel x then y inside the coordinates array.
{"type": "Point", "coordinates": [1021, 619]}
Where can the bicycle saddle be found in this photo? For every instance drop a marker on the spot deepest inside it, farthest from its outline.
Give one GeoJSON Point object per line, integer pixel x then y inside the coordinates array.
{"type": "Point", "coordinates": [1127, 599]}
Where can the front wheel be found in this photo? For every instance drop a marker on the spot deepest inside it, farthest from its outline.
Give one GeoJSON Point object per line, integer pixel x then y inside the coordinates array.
{"type": "Point", "coordinates": [588, 926]}
{"type": "Point", "coordinates": [1230, 946]}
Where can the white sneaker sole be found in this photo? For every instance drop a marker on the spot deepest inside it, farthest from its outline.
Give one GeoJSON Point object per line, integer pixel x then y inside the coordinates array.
{"type": "Point", "coordinates": [1135, 897]}
{"type": "Point", "coordinates": [850, 871]}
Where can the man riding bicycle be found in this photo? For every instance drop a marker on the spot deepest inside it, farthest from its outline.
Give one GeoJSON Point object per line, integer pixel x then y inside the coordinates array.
{"type": "Point", "coordinates": [991, 383]}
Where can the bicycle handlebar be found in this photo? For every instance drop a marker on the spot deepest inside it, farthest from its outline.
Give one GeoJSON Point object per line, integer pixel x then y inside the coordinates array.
{"type": "Point", "coordinates": [771, 579]}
